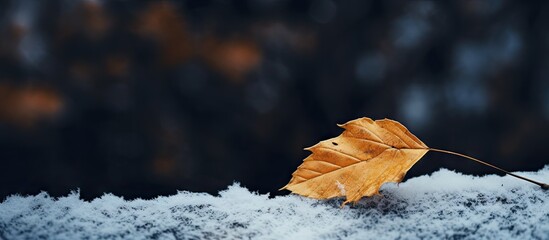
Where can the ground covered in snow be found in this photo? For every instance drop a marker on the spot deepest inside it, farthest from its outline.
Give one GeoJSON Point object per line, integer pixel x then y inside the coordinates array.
{"type": "Point", "coordinates": [443, 205]}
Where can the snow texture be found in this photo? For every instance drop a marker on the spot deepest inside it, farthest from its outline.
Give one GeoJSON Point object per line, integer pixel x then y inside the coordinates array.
{"type": "Point", "coordinates": [444, 205]}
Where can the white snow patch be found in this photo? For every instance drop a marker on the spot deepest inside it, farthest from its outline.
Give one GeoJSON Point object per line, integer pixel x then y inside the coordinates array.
{"type": "Point", "coordinates": [444, 205]}
{"type": "Point", "coordinates": [341, 187]}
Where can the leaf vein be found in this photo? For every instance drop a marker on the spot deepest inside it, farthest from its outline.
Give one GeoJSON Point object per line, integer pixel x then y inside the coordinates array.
{"type": "Point", "coordinates": [339, 168]}
{"type": "Point", "coordinates": [311, 170]}
{"type": "Point", "coordinates": [343, 153]}
{"type": "Point", "coordinates": [369, 140]}
{"type": "Point", "coordinates": [401, 139]}
{"type": "Point", "coordinates": [370, 131]}
{"type": "Point", "coordinates": [324, 161]}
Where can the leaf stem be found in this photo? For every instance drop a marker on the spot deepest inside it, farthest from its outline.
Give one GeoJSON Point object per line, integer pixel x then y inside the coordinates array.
{"type": "Point", "coordinates": [542, 185]}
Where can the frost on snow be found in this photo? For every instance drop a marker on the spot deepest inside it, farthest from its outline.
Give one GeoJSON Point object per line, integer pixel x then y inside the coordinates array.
{"type": "Point", "coordinates": [444, 205]}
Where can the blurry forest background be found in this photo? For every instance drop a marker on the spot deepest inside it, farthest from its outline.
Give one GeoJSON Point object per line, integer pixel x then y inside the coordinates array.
{"type": "Point", "coordinates": [144, 98]}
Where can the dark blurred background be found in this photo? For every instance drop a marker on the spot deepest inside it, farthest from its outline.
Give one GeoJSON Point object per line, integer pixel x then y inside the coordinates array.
{"type": "Point", "coordinates": [144, 98]}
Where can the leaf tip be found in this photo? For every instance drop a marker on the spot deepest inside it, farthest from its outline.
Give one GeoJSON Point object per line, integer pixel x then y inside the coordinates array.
{"type": "Point", "coordinates": [286, 186]}
{"type": "Point", "coordinates": [311, 147]}
{"type": "Point", "coordinates": [367, 119]}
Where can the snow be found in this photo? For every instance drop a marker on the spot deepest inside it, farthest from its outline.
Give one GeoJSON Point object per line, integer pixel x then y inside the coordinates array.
{"type": "Point", "coordinates": [341, 188]}
{"type": "Point", "coordinates": [445, 204]}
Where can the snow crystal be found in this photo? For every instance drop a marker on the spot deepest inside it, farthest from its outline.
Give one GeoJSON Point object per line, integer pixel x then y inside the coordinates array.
{"type": "Point", "coordinates": [445, 204]}
{"type": "Point", "coordinates": [341, 187]}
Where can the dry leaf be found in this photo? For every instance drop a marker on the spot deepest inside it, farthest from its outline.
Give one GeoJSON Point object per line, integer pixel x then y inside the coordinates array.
{"type": "Point", "coordinates": [357, 162]}
{"type": "Point", "coordinates": [364, 157]}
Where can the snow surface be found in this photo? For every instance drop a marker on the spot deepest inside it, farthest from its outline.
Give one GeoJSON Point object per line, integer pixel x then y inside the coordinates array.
{"type": "Point", "coordinates": [445, 204]}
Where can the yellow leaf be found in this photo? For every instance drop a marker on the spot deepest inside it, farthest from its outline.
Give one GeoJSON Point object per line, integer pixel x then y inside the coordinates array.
{"type": "Point", "coordinates": [364, 157]}
{"type": "Point", "coordinates": [357, 162]}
